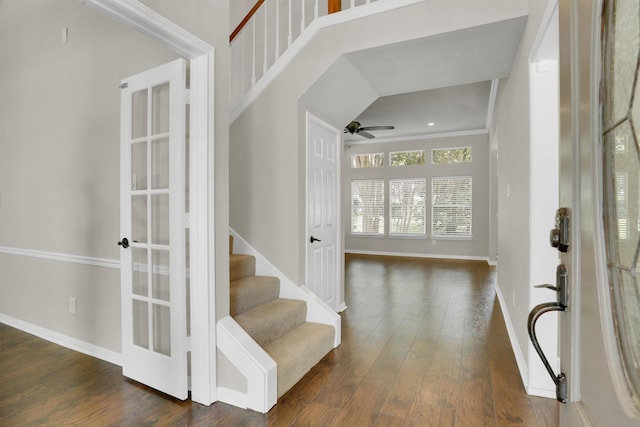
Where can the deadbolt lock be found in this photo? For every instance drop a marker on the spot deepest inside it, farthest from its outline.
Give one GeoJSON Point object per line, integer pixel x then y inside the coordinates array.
{"type": "Point", "coordinates": [559, 236]}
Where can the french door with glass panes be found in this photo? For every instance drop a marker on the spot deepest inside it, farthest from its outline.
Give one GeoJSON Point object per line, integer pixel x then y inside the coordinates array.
{"type": "Point", "coordinates": [152, 210]}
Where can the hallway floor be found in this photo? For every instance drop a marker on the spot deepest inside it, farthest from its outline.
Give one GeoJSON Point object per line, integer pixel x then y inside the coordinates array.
{"type": "Point", "coordinates": [423, 344]}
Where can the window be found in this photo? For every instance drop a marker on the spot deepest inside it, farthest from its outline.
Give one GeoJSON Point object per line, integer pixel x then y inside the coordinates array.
{"type": "Point", "coordinates": [367, 160]}
{"type": "Point", "coordinates": [407, 206]}
{"type": "Point", "coordinates": [443, 156]}
{"type": "Point", "coordinates": [367, 206]}
{"type": "Point", "coordinates": [407, 158]}
{"type": "Point", "coordinates": [451, 206]}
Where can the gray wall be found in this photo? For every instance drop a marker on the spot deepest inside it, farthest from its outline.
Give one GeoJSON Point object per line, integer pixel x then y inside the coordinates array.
{"type": "Point", "coordinates": [511, 132]}
{"type": "Point", "coordinates": [478, 169]}
{"type": "Point", "coordinates": [59, 157]}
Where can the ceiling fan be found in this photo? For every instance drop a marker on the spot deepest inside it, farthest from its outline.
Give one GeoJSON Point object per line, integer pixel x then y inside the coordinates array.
{"type": "Point", "coordinates": [355, 127]}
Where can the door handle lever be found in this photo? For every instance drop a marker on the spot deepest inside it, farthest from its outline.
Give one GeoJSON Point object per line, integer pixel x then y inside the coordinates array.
{"type": "Point", "coordinates": [313, 239]}
{"type": "Point", "coordinates": [559, 380]}
{"type": "Point", "coordinates": [124, 243]}
{"type": "Point", "coordinates": [548, 286]}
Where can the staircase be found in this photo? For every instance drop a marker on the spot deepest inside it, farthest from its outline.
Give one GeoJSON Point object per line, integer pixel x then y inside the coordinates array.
{"type": "Point", "coordinates": [279, 326]}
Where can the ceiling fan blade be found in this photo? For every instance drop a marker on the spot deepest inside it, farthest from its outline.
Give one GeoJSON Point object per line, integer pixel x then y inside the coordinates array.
{"type": "Point", "coordinates": [377, 128]}
{"type": "Point", "coordinates": [365, 134]}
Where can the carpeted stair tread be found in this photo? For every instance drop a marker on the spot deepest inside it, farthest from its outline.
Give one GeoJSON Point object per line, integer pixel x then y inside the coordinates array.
{"type": "Point", "coordinates": [271, 320]}
{"type": "Point", "coordinates": [252, 291]}
{"type": "Point", "coordinates": [241, 266]}
{"type": "Point", "coordinates": [298, 351]}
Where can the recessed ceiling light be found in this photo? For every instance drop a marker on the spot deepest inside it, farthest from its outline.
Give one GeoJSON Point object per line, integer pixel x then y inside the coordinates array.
{"type": "Point", "coordinates": [430, 124]}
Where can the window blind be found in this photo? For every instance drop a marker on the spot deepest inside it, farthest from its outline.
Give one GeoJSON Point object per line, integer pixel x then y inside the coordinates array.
{"type": "Point", "coordinates": [451, 206]}
{"type": "Point", "coordinates": [407, 206]}
{"type": "Point", "coordinates": [367, 206]}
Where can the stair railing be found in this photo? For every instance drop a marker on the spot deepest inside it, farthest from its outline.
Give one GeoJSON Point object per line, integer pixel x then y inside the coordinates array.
{"type": "Point", "coordinates": [267, 31]}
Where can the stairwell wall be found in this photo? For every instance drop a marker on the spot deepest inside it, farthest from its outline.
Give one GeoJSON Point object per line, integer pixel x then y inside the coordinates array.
{"type": "Point", "coordinates": [267, 176]}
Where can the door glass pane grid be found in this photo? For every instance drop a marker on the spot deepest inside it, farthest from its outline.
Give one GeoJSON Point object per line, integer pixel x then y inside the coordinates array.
{"type": "Point", "coordinates": [152, 327]}
{"type": "Point", "coordinates": [150, 219]}
{"type": "Point", "coordinates": [160, 163]}
{"type": "Point", "coordinates": [162, 329]}
{"type": "Point", "coordinates": [627, 296]}
{"type": "Point", "coordinates": [140, 323]}
{"type": "Point", "coordinates": [620, 117]}
{"type": "Point", "coordinates": [139, 114]}
{"type": "Point", "coordinates": [140, 278]}
{"type": "Point", "coordinates": [139, 165]}
{"type": "Point", "coordinates": [159, 106]}
{"type": "Point", "coordinates": [160, 277]}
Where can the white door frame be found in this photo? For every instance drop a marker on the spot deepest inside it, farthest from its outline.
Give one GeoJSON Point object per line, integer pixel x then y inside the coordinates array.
{"type": "Point", "coordinates": [339, 303]}
{"type": "Point", "coordinates": [544, 117]}
{"type": "Point", "coordinates": [202, 266]}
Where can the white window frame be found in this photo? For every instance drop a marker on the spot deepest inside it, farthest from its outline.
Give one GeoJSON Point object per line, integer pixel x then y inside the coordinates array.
{"type": "Point", "coordinates": [439, 235]}
{"type": "Point", "coordinates": [353, 156]}
{"type": "Point", "coordinates": [391, 153]}
{"type": "Point", "coordinates": [451, 148]}
{"type": "Point", "coordinates": [384, 215]}
{"type": "Point", "coordinates": [390, 217]}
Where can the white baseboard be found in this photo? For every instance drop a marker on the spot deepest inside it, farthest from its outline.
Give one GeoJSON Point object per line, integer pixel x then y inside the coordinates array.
{"type": "Point", "coordinates": [421, 255]}
{"type": "Point", "coordinates": [520, 359]}
{"type": "Point", "coordinates": [63, 340]}
{"type": "Point", "coordinates": [232, 397]}
{"type": "Point", "coordinates": [541, 392]}
{"type": "Point", "coordinates": [533, 389]}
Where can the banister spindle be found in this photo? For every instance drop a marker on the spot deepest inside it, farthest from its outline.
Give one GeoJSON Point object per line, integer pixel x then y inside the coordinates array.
{"type": "Point", "coordinates": [277, 27]}
{"type": "Point", "coordinates": [264, 63]}
{"type": "Point", "coordinates": [302, 21]}
{"type": "Point", "coordinates": [243, 64]}
{"type": "Point", "coordinates": [315, 10]}
{"type": "Point", "coordinates": [253, 55]}
{"type": "Point", "coordinates": [290, 25]}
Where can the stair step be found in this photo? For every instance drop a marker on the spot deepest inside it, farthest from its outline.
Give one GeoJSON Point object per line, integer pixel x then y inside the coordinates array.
{"type": "Point", "coordinates": [253, 291]}
{"type": "Point", "coordinates": [298, 351]}
{"type": "Point", "coordinates": [241, 266]}
{"type": "Point", "coordinates": [268, 322]}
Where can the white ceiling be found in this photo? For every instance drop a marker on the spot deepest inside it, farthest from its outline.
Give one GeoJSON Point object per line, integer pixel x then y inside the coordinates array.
{"type": "Point", "coordinates": [445, 79]}
{"type": "Point", "coordinates": [450, 109]}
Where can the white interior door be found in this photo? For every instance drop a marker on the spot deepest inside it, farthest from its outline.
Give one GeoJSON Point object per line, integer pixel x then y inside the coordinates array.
{"type": "Point", "coordinates": [323, 211]}
{"type": "Point", "coordinates": [599, 183]}
{"type": "Point", "coordinates": [152, 200]}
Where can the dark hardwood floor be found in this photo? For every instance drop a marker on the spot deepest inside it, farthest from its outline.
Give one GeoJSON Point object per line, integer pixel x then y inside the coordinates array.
{"type": "Point", "coordinates": [423, 344]}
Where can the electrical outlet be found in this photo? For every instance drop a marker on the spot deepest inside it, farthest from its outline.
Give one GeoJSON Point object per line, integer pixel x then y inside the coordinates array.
{"type": "Point", "coordinates": [73, 305]}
